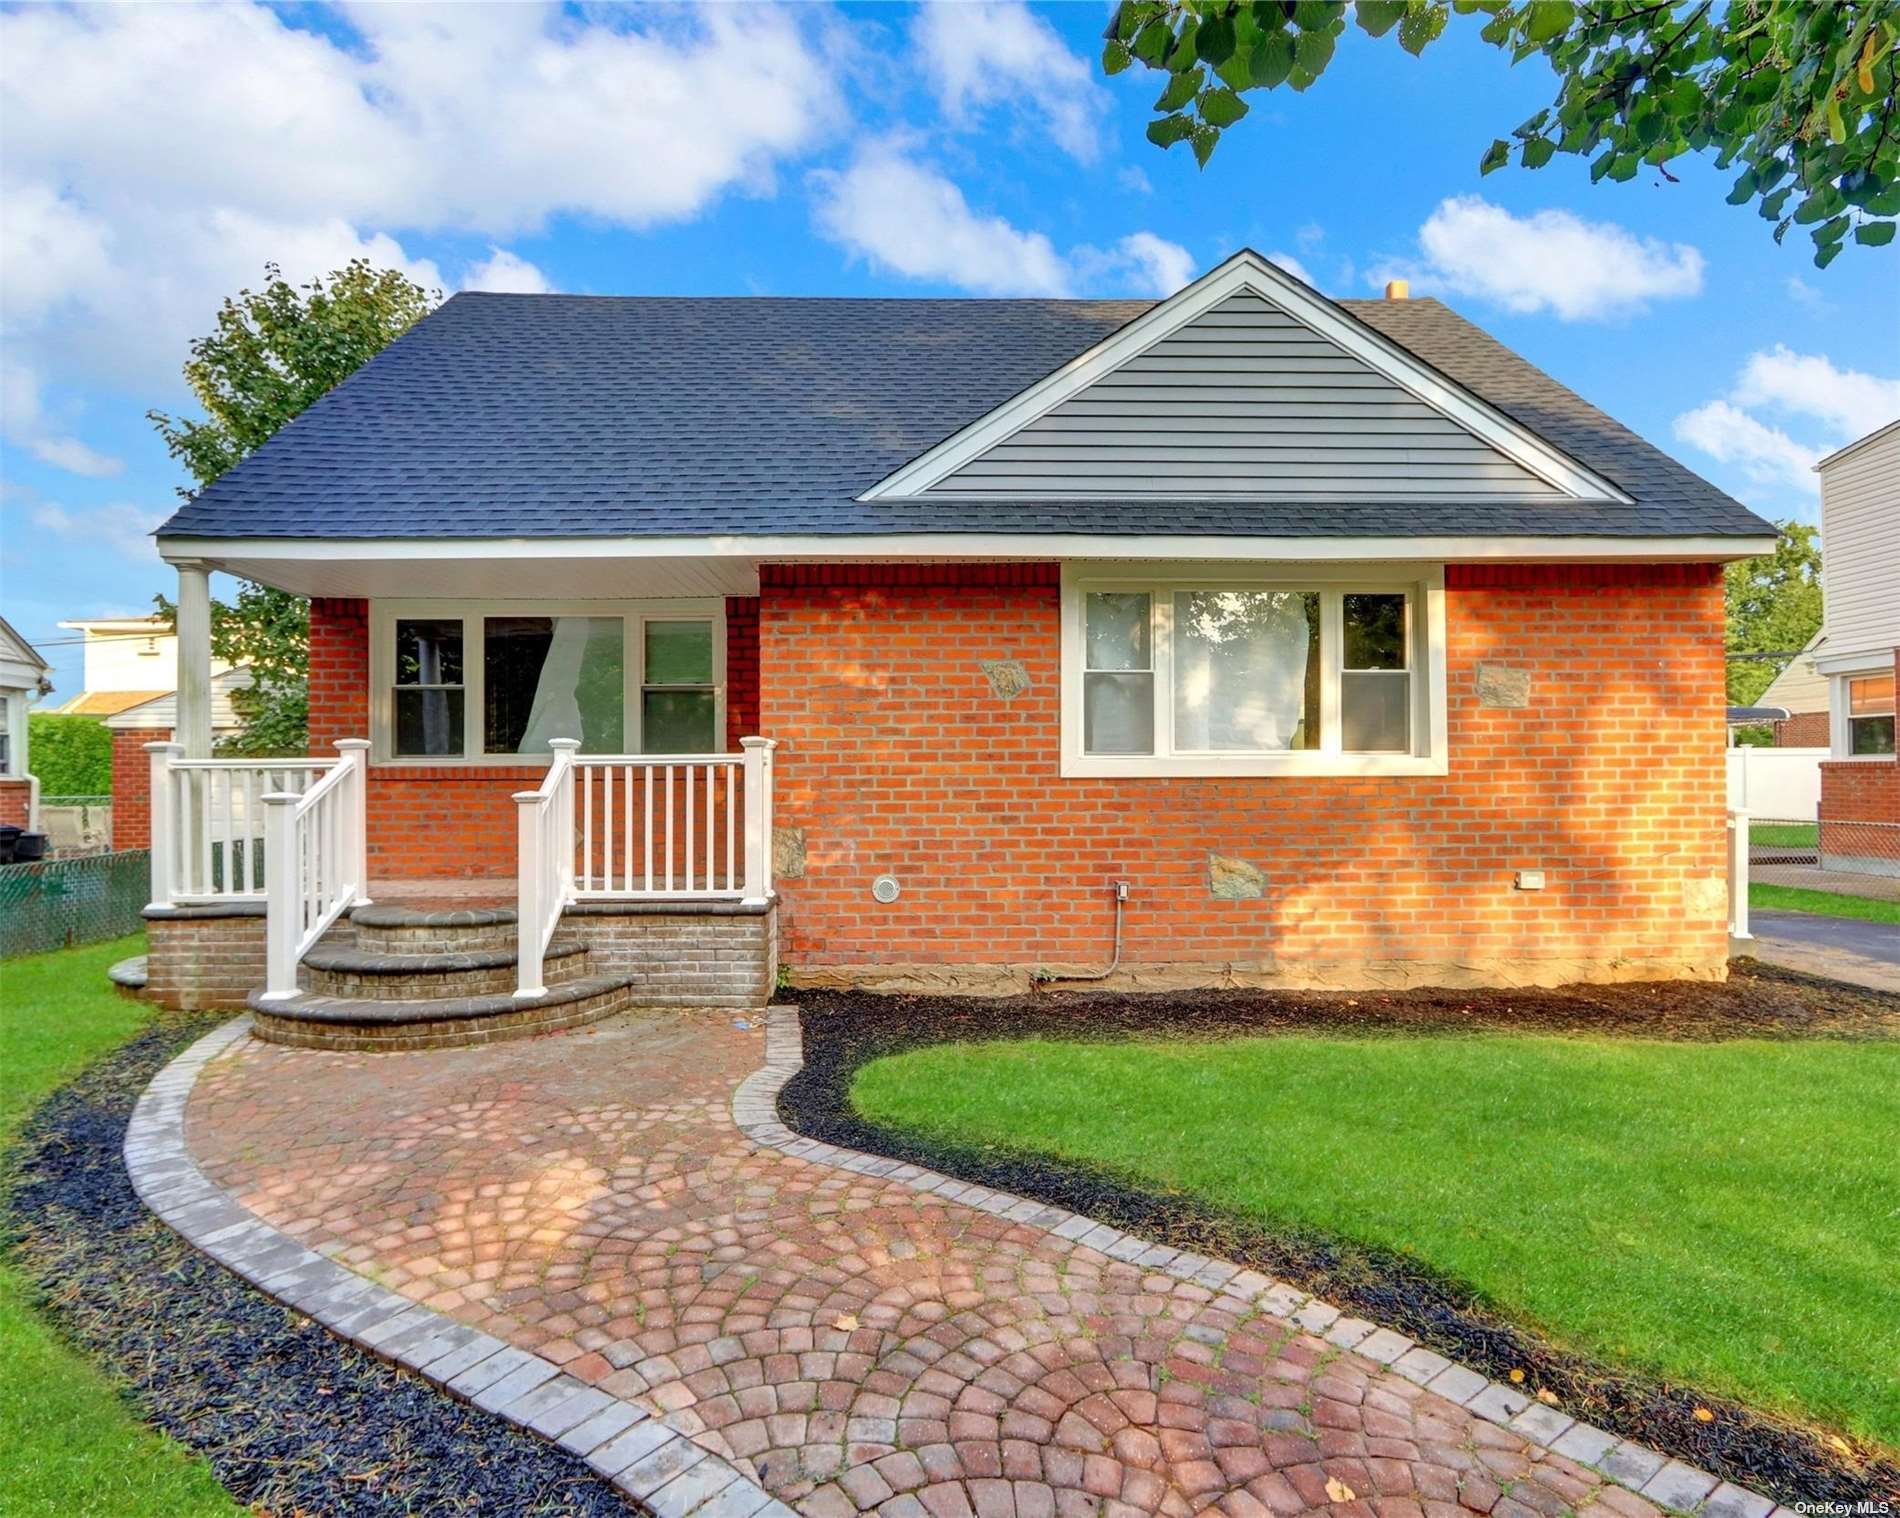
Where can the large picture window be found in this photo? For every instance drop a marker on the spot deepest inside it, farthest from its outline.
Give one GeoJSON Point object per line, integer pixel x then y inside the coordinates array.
{"type": "Point", "coordinates": [495, 682]}
{"type": "Point", "coordinates": [1214, 673]}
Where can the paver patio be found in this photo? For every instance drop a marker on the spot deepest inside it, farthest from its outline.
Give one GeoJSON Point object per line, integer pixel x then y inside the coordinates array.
{"type": "Point", "coordinates": [859, 1345]}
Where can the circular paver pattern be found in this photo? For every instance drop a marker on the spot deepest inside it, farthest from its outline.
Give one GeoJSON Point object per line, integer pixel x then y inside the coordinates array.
{"type": "Point", "coordinates": [856, 1344]}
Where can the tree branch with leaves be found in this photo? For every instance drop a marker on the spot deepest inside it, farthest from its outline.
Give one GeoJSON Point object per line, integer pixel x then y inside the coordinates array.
{"type": "Point", "coordinates": [1801, 95]}
{"type": "Point", "coordinates": [273, 353]}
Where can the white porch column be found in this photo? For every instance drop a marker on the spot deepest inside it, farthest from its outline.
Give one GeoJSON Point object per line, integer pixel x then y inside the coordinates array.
{"type": "Point", "coordinates": [194, 658]}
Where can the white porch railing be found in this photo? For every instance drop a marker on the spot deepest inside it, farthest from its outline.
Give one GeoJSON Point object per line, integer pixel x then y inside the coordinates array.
{"type": "Point", "coordinates": [208, 822]}
{"type": "Point", "coordinates": [633, 827]}
{"type": "Point", "coordinates": [544, 875]}
{"type": "Point", "coordinates": [317, 850]}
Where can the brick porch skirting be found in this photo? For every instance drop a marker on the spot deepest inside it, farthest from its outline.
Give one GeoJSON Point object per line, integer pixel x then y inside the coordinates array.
{"type": "Point", "coordinates": [642, 1452]}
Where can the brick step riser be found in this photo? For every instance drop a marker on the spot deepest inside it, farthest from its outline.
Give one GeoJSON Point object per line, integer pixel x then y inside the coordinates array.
{"type": "Point", "coordinates": [449, 1033]}
{"type": "Point", "coordinates": [428, 984]}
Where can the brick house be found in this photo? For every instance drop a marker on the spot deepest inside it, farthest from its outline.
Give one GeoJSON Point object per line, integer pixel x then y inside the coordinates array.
{"type": "Point", "coordinates": [1247, 637]}
{"type": "Point", "coordinates": [23, 675]}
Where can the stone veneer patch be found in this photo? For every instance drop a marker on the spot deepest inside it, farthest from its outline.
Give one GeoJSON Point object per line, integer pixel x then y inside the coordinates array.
{"type": "Point", "coordinates": [639, 1452]}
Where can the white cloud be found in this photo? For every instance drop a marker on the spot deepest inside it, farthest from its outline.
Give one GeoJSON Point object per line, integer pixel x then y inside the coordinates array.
{"type": "Point", "coordinates": [907, 218]}
{"type": "Point", "coordinates": [1162, 266]}
{"type": "Point", "coordinates": [1294, 267]}
{"type": "Point", "coordinates": [123, 526]}
{"type": "Point", "coordinates": [1134, 178]}
{"type": "Point", "coordinates": [1549, 261]}
{"type": "Point", "coordinates": [138, 198]}
{"type": "Point", "coordinates": [1825, 406]}
{"type": "Point", "coordinates": [981, 55]}
{"type": "Point", "coordinates": [25, 424]}
{"type": "Point", "coordinates": [913, 221]}
{"type": "Point", "coordinates": [1765, 455]}
{"type": "Point", "coordinates": [1851, 404]}
{"type": "Point", "coordinates": [1800, 291]}
{"type": "Point", "coordinates": [506, 273]}
{"type": "Point", "coordinates": [1310, 236]}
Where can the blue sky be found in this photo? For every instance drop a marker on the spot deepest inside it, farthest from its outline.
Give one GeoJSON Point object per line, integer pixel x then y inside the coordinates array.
{"type": "Point", "coordinates": [158, 156]}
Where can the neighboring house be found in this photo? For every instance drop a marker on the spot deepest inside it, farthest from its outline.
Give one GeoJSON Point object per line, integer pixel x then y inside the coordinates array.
{"type": "Point", "coordinates": [1360, 650]}
{"type": "Point", "coordinates": [1801, 691]}
{"type": "Point", "coordinates": [23, 676]}
{"type": "Point", "coordinates": [1860, 652]}
{"type": "Point", "coordinates": [155, 720]}
{"type": "Point", "coordinates": [128, 661]}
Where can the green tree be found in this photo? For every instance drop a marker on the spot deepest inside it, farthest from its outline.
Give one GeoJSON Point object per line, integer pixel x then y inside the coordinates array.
{"type": "Point", "coordinates": [1774, 607]}
{"type": "Point", "coordinates": [1801, 95]}
{"type": "Point", "coordinates": [275, 351]}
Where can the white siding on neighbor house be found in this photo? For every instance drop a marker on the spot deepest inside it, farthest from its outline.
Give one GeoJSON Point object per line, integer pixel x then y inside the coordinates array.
{"type": "Point", "coordinates": [1244, 401]}
{"type": "Point", "coordinates": [1860, 546]}
{"type": "Point", "coordinates": [1799, 687]}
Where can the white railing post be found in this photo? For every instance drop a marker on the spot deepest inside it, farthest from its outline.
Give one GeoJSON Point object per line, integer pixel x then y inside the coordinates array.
{"type": "Point", "coordinates": [529, 892]}
{"type": "Point", "coordinates": [164, 824]}
{"type": "Point", "coordinates": [283, 900]}
{"type": "Point", "coordinates": [564, 751]}
{"type": "Point", "coordinates": [1738, 874]}
{"type": "Point", "coordinates": [355, 753]}
{"type": "Point", "coordinates": [758, 818]}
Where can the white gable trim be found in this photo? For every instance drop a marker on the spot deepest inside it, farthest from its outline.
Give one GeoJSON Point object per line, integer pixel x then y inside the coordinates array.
{"type": "Point", "coordinates": [1247, 271]}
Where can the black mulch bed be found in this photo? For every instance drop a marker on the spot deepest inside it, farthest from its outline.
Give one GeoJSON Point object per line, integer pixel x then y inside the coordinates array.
{"type": "Point", "coordinates": [292, 1420]}
{"type": "Point", "coordinates": [845, 1030]}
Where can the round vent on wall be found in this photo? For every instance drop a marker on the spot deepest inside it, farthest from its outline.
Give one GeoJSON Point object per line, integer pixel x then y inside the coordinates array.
{"type": "Point", "coordinates": [885, 888]}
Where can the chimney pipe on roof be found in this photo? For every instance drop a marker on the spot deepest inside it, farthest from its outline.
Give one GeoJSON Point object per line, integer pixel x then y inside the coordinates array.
{"type": "Point", "coordinates": [1397, 289]}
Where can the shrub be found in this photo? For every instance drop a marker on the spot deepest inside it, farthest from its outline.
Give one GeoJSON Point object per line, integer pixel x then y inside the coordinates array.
{"type": "Point", "coordinates": [71, 755]}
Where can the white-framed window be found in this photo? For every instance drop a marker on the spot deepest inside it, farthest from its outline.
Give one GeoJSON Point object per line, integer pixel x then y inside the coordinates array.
{"type": "Point", "coordinates": [491, 682]}
{"type": "Point", "coordinates": [6, 734]}
{"type": "Point", "coordinates": [1869, 715]}
{"type": "Point", "coordinates": [1252, 670]}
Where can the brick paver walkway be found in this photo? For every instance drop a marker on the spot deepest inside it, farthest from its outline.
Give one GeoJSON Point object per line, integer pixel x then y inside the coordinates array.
{"type": "Point", "coordinates": [856, 1343]}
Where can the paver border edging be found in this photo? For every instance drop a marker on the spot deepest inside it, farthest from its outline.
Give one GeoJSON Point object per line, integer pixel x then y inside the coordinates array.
{"type": "Point", "coordinates": [634, 1449]}
{"type": "Point", "coordinates": [1669, 1483]}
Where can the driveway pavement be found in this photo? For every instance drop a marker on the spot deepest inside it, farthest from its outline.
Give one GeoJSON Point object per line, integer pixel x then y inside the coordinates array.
{"type": "Point", "coordinates": [1840, 948]}
{"type": "Point", "coordinates": [861, 1345]}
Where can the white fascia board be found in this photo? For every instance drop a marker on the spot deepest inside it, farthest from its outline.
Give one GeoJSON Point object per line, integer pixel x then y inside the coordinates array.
{"type": "Point", "coordinates": [1248, 271]}
{"type": "Point", "coordinates": [822, 548]}
{"type": "Point", "coordinates": [1854, 661]}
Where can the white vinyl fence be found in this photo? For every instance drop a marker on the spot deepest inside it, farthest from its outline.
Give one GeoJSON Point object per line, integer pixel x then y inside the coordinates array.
{"type": "Point", "coordinates": [1776, 782]}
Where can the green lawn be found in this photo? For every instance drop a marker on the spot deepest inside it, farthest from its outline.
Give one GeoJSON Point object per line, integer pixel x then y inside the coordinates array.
{"type": "Point", "coordinates": [73, 1447]}
{"type": "Point", "coordinates": [1721, 1214]}
{"type": "Point", "coordinates": [1785, 835]}
{"type": "Point", "coordinates": [1780, 898]}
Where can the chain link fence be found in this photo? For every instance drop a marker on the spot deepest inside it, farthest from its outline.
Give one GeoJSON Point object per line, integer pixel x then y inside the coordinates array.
{"type": "Point", "coordinates": [1854, 858]}
{"type": "Point", "coordinates": [60, 902]}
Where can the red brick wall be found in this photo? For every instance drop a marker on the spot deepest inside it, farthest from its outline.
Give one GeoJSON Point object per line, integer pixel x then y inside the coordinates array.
{"type": "Point", "coordinates": [896, 756]}
{"type": "Point", "coordinates": [15, 798]}
{"type": "Point", "coordinates": [742, 670]}
{"type": "Point", "coordinates": [339, 672]}
{"type": "Point", "coordinates": [1803, 730]}
{"type": "Point", "coordinates": [132, 785]}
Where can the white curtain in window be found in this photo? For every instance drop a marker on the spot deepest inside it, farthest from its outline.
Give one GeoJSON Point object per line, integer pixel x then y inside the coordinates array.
{"type": "Point", "coordinates": [556, 712]}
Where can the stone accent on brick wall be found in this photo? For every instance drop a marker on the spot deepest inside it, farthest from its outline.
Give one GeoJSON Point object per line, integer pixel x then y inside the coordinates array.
{"type": "Point", "coordinates": [1503, 685]}
{"type": "Point", "coordinates": [202, 959]}
{"type": "Point", "coordinates": [1008, 678]}
{"type": "Point", "coordinates": [1234, 879]}
{"type": "Point", "coordinates": [685, 954]}
{"type": "Point", "coordinates": [788, 853]}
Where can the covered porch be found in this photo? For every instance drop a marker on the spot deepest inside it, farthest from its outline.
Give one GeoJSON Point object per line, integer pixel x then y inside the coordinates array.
{"type": "Point", "coordinates": [510, 805]}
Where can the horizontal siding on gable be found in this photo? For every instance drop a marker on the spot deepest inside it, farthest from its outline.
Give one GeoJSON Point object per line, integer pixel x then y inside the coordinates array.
{"type": "Point", "coordinates": [1860, 544]}
{"type": "Point", "coordinates": [1244, 401]}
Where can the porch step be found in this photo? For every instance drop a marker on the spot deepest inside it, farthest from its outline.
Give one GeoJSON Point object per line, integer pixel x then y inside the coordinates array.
{"type": "Point", "coordinates": [314, 1021]}
{"type": "Point", "coordinates": [426, 929]}
{"type": "Point", "coordinates": [351, 969]}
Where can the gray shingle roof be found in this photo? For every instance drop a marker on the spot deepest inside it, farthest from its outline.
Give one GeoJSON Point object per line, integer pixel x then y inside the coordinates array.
{"type": "Point", "coordinates": [546, 415]}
